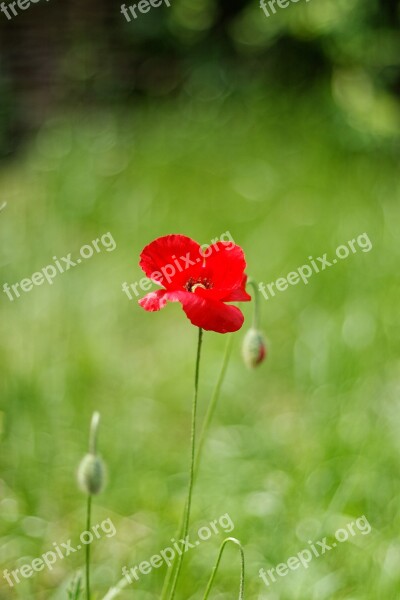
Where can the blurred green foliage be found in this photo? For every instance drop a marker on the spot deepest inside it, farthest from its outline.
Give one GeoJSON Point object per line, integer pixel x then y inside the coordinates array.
{"type": "Point", "coordinates": [299, 447]}
{"type": "Point", "coordinates": [200, 119]}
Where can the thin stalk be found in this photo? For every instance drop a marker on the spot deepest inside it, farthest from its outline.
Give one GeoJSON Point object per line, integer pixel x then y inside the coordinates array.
{"type": "Point", "coordinates": [215, 569]}
{"type": "Point", "coordinates": [213, 402]}
{"type": "Point", "coordinates": [123, 583]}
{"type": "Point", "coordinates": [256, 313]}
{"type": "Point", "coordinates": [206, 425]}
{"type": "Point", "coordinates": [94, 425]}
{"type": "Point", "coordinates": [192, 463]}
{"type": "Point", "coordinates": [88, 524]}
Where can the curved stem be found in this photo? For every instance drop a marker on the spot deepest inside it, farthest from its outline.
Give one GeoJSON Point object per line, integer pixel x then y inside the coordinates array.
{"type": "Point", "coordinates": [215, 569]}
{"type": "Point", "coordinates": [192, 463]}
{"type": "Point", "coordinates": [206, 424]}
{"type": "Point", "coordinates": [256, 313]}
{"type": "Point", "coordinates": [88, 519]}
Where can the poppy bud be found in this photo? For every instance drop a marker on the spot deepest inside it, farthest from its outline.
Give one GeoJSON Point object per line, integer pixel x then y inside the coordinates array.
{"type": "Point", "coordinates": [254, 348]}
{"type": "Point", "coordinates": [91, 474]}
{"type": "Point", "coordinates": [91, 471]}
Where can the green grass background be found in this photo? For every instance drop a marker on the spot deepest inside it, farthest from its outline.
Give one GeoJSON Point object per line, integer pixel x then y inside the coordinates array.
{"type": "Point", "coordinates": [299, 447]}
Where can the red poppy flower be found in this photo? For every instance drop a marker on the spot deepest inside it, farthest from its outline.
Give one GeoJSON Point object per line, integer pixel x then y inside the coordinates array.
{"type": "Point", "coordinates": [201, 281]}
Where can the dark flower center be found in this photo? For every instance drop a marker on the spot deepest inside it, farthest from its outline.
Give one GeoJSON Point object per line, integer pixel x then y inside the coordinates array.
{"type": "Point", "coordinates": [192, 284]}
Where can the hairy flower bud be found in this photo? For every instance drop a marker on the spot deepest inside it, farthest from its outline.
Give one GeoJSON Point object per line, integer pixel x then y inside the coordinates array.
{"type": "Point", "coordinates": [91, 474]}
{"type": "Point", "coordinates": [254, 348]}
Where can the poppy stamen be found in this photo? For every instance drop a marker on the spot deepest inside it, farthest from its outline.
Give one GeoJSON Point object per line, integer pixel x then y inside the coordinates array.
{"type": "Point", "coordinates": [202, 282]}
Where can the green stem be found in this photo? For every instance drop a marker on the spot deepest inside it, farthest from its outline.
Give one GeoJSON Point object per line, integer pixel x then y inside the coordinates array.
{"type": "Point", "coordinates": [192, 463]}
{"type": "Point", "coordinates": [256, 313]}
{"type": "Point", "coordinates": [206, 424]}
{"type": "Point", "coordinates": [213, 402]}
{"type": "Point", "coordinates": [88, 521]}
{"type": "Point", "coordinates": [123, 583]}
{"type": "Point", "coordinates": [215, 569]}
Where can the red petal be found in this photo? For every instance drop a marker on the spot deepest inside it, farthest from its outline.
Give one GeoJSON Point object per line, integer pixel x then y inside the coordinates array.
{"type": "Point", "coordinates": [158, 260]}
{"type": "Point", "coordinates": [239, 295]}
{"type": "Point", "coordinates": [208, 314]}
{"type": "Point", "coordinates": [225, 267]}
{"type": "Point", "coordinates": [154, 301]}
{"type": "Point", "coordinates": [226, 295]}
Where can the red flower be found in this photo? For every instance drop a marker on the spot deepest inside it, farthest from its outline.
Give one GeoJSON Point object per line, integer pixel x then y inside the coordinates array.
{"type": "Point", "coordinates": [201, 281]}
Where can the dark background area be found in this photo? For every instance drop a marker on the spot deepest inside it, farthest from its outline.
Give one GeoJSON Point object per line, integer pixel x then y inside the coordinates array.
{"type": "Point", "coordinates": [75, 54]}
